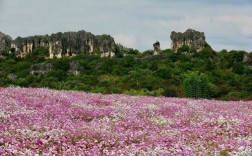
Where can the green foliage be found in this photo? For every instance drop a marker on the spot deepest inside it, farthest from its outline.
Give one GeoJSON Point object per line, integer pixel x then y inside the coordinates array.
{"type": "Point", "coordinates": [196, 85]}
{"type": "Point", "coordinates": [41, 52]}
{"type": "Point", "coordinates": [61, 64]}
{"type": "Point", "coordinates": [58, 75]}
{"type": "Point", "coordinates": [209, 66]}
{"type": "Point", "coordinates": [235, 95]}
{"type": "Point", "coordinates": [168, 74]}
{"type": "Point", "coordinates": [183, 48]}
{"type": "Point", "coordinates": [164, 72]}
{"type": "Point", "coordinates": [147, 53]}
{"type": "Point", "coordinates": [22, 82]}
{"type": "Point", "coordinates": [167, 52]}
{"type": "Point", "coordinates": [145, 91]}
{"type": "Point", "coordinates": [170, 91]}
{"type": "Point", "coordinates": [205, 53]}
{"type": "Point", "coordinates": [238, 68]}
{"type": "Point", "coordinates": [128, 61]}
{"type": "Point", "coordinates": [248, 87]}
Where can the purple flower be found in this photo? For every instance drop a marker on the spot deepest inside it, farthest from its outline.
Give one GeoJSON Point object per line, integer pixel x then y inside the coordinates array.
{"type": "Point", "coordinates": [1, 151]}
{"type": "Point", "coordinates": [77, 123]}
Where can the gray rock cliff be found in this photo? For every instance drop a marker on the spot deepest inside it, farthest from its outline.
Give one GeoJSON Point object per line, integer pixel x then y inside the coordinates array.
{"type": "Point", "coordinates": [41, 68]}
{"type": "Point", "coordinates": [247, 59]}
{"type": "Point", "coordinates": [156, 47]}
{"type": "Point", "coordinates": [62, 44]}
{"type": "Point", "coordinates": [74, 67]}
{"type": "Point", "coordinates": [5, 42]}
{"type": "Point", "coordinates": [192, 38]}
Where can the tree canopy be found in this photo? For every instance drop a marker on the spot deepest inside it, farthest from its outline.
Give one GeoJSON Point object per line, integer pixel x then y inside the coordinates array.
{"type": "Point", "coordinates": [206, 74]}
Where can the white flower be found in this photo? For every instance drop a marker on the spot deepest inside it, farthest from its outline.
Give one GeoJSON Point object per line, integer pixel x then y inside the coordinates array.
{"type": "Point", "coordinates": [241, 148]}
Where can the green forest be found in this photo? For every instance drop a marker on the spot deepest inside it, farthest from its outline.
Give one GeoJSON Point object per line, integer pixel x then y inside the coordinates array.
{"type": "Point", "coordinates": [224, 75]}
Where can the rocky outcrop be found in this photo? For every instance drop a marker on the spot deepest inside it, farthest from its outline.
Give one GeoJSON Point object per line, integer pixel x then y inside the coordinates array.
{"type": "Point", "coordinates": [194, 39]}
{"type": "Point", "coordinates": [22, 46]}
{"type": "Point", "coordinates": [247, 59]}
{"type": "Point", "coordinates": [124, 50]}
{"type": "Point", "coordinates": [156, 47]}
{"type": "Point", "coordinates": [41, 68]}
{"type": "Point", "coordinates": [67, 44]}
{"type": "Point", "coordinates": [5, 42]}
{"type": "Point", "coordinates": [106, 45]}
{"type": "Point", "coordinates": [12, 77]}
{"type": "Point", "coordinates": [74, 67]}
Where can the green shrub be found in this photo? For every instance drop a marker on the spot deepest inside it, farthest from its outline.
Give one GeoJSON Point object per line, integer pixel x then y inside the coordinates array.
{"type": "Point", "coordinates": [196, 85]}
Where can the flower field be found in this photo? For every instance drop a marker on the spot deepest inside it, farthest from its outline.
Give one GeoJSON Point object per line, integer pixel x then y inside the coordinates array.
{"type": "Point", "coordinates": [48, 122]}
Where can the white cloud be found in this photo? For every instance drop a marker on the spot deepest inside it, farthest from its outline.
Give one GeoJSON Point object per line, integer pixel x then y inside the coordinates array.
{"type": "Point", "coordinates": [136, 24]}
{"type": "Point", "coordinates": [127, 40]}
{"type": "Point", "coordinates": [1, 6]}
{"type": "Point", "coordinates": [243, 22]}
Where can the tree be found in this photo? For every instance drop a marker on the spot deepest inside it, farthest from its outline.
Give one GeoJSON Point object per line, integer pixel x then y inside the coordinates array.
{"type": "Point", "coordinates": [206, 53]}
{"type": "Point", "coordinates": [128, 61]}
{"type": "Point", "coordinates": [183, 48]}
{"type": "Point", "coordinates": [164, 72]}
{"type": "Point", "coordinates": [238, 68]}
{"type": "Point", "coordinates": [196, 85]}
{"type": "Point", "coordinates": [61, 64]}
{"type": "Point", "coordinates": [209, 65]}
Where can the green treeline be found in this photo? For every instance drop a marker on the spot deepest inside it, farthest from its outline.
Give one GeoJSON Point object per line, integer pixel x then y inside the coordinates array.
{"type": "Point", "coordinates": [206, 74]}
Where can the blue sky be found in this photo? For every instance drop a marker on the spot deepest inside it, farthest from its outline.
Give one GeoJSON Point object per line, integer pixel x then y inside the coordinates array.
{"type": "Point", "coordinates": [134, 23]}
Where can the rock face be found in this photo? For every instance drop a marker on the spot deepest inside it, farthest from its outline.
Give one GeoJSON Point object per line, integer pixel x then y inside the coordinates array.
{"type": "Point", "coordinates": [41, 68]}
{"type": "Point", "coordinates": [247, 59]}
{"type": "Point", "coordinates": [73, 68]}
{"type": "Point", "coordinates": [156, 47]}
{"type": "Point", "coordinates": [5, 42]}
{"type": "Point", "coordinates": [12, 77]}
{"type": "Point", "coordinates": [124, 50]}
{"type": "Point", "coordinates": [67, 44]}
{"type": "Point", "coordinates": [190, 37]}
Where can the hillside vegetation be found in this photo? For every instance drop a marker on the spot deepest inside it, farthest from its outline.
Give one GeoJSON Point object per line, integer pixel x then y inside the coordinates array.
{"type": "Point", "coordinates": [220, 75]}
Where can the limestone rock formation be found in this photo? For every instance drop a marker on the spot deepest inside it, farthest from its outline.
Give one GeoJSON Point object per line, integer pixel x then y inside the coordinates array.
{"type": "Point", "coordinates": [26, 45]}
{"type": "Point", "coordinates": [194, 39]}
{"type": "Point", "coordinates": [12, 77]}
{"type": "Point", "coordinates": [41, 68]}
{"type": "Point", "coordinates": [5, 42]}
{"type": "Point", "coordinates": [106, 45]}
{"type": "Point", "coordinates": [124, 51]}
{"type": "Point", "coordinates": [74, 67]}
{"type": "Point", "coordinates": [67, 44]}
{"type": "Point", "coordinates": [157, 48]}
{"type": "Point", "coordinates": [247, 59]}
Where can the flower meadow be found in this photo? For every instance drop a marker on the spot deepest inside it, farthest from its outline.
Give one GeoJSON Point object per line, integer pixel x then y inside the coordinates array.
{"type": "Point", "coordinates": [68, 123]}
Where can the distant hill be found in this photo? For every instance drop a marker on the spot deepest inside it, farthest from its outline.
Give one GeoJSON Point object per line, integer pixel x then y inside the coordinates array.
{"type": "Point", "coordinates": [61, 44]}
{"type": "Point", "coordinates": [82, 61]}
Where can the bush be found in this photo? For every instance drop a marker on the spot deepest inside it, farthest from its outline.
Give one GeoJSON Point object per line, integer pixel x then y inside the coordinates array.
{"type": "Point", "coordinates": [22, 82]}
{"type": "Point", "coordinates": [183, 48]}
{"type": "Point", "coordinates": [145, 91]}
{"type": "Point", "coordinates": [238, 68]}
{"type": "Point", "coordinates": [196, 85]}
{"type": "Point", "coordinates": [170, 92]}
{"type": "Point", "coordinates": [235, 95]}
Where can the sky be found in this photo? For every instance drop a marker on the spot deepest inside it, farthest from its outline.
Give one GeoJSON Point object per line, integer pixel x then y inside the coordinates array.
{"type": "Point", "coordinates": [137, 24]}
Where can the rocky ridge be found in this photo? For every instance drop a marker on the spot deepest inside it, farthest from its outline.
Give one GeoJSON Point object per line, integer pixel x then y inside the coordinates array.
{"type": "Point", "coordinates": [156, 47]}
{"type": "Point", "coordinates": [5, 42]}
{"type": "Point", "coordinates": [194, 39]}
{"type": "Point", "coordinates": [61, 44]}
{"type": "Point", "coordinates": [41, 68]}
